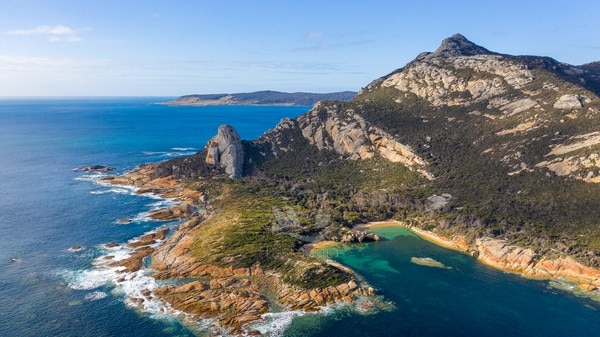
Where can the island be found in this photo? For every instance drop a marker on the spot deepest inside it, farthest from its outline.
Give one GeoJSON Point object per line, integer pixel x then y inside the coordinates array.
{"type": "Point", "coordinates": [265, 97]}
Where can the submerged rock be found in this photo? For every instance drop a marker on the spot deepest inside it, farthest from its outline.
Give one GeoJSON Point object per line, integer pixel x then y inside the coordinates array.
{"type": "Point", "coordinates": [94, 168]}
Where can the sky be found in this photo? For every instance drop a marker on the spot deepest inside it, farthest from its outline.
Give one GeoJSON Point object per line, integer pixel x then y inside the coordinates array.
{"type": "Point", "coordinates": [179, 47]}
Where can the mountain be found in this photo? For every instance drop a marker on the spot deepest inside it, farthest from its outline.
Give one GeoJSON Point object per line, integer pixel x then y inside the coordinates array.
{"type": "Point", "coordinates": [261, 98]}
{"type": "Point", "coordinates": [496, 155]}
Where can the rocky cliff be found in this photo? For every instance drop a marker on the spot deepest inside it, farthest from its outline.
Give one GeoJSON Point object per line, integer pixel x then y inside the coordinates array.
{"type": "Point", "coordinates": [226, 150]}
{"type": "Point", "coordinates": [329, 127]}
{"type": "Point", "coordinates": [496, 155]}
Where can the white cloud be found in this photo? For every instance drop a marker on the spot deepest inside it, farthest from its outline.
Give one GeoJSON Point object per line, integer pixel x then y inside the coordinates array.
{"type": "Point", "coordinates": [314, 35]}
{"type": "Point", "coordinates": [12, 63]}
{"type": "Point", "coordinates": [56, 33]}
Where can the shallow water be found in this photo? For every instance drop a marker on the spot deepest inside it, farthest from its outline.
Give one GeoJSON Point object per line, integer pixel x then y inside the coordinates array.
{"type": "Point", "coordinates": [465, 299]}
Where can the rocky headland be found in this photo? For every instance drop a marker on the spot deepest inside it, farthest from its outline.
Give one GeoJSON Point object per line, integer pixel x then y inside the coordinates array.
{"type": "Point", "coordinates": [491, 154]}
{"type": "Point", "coordinates": [233, 297]}
{"type": "Point", "coordinates": [267, 97]}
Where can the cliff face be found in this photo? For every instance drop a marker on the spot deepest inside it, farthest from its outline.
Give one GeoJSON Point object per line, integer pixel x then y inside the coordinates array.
{"type": "Point", "coordinates": [329, 127]}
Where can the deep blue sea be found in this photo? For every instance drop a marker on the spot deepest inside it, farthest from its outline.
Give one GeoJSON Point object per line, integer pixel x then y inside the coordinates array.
{"type": "Point", "coordinates": [46, 289]}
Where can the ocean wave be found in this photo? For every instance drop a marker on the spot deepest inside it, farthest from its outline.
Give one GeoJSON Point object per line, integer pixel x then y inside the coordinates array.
{"type": "Point", "coordinates": [136, 287]}
{"type": "Point", "coordinates": [183, 148]}
{"type": "Point", "coordinates": [114, 190]}
{"type": "Point", "coordinates": [95, 295]}
{"type": "Point", "coordinates": [275, 323]}
{"type": "Point", "coordinates": [87, 279]}
{"type": "Point", "coordinates": [177, 152]}
{"type": "Point", "coordinates": [137, 219]}
{"type": "Point", "coordinates": [162, 203]}
{"type": "Point", "coordinates": [91, 177]}
{"type": "Point", "coordinates": [180, 154]}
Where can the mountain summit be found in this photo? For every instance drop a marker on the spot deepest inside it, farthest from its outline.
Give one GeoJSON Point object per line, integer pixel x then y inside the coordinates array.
{"type": "Point", "coordinates": [458, 45]}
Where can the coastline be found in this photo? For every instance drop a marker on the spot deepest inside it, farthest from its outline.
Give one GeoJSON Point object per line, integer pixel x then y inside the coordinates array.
{"type": "Point", "coordinates": [217, 103]}
{"type": "Point", "coordinates": [498, 254]}
{"type": "Point", "coordinates": [234, 300]}
{"type": "Point", "coordinates": [171, 259]}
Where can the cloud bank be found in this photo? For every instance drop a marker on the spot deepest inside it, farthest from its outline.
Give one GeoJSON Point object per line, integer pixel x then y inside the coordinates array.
{"type": "Point", "coordinates": [55, 33]}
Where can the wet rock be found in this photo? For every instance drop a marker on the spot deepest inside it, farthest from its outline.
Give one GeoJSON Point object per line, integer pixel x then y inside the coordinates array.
{"type": "Point", "coordinates": [149, 238]}
{"type": "Point", "coordinates": [135, 261]}
{"type": "Point", "coordinates": [94, 168]}
{"type": "Point", "coordinates": [180, 211]}
{"type": "Point", "coordinates": [232, 303]}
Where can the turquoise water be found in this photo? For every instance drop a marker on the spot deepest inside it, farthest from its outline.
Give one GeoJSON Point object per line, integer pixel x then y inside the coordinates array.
{"type": "Point", "coordinates": [46, 208]}
{"type": "Point", "coordinates": [469, 299]}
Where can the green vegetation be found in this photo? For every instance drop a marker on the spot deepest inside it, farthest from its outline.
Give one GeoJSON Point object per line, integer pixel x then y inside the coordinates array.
{"type": "Point", "coordinates": [241, 234]}
{"type": "Point", "coordinates": [496, 188]}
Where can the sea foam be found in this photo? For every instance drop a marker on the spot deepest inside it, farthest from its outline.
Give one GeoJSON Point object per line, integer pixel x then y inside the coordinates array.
{"type": "Point", "coordinates": [136, 287]}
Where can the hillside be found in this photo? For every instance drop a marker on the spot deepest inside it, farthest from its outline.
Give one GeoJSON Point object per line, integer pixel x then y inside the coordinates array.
{"type": "Point", "coordinates": [513, 139]}
{"type": "Point", "coordinates": [261, 98]}
{"type": "Point", "coordinates": [493, 154]}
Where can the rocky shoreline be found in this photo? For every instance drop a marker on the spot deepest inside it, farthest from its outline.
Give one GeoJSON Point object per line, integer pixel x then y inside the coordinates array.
{"type": "Point", "coordinates": [497, 253]}
{"type": "Point", "coordinates": [233, 298]}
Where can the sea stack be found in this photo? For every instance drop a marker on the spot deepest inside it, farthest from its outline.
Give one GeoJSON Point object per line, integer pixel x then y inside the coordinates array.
{"type": "Point", "coordinates": [226, 150]}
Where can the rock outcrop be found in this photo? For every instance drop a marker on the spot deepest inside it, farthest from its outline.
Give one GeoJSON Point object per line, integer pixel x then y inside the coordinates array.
{"type": "Point", "coordinates": [500, 254]}
{"type": "Point", "coordinates": [180, 211]}
{"type": "Point", "coordinates": [568, 102]}
{"type": "Point", "coordinates": [330, 128]}
{"type": "Point", "coordinates": [226, 150]}
{"type": "Point", "coordinates": [231, 302]}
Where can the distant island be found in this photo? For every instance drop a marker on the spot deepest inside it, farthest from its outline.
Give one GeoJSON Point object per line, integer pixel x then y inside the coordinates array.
{"type": "Point", "coordinates": [266, 97]}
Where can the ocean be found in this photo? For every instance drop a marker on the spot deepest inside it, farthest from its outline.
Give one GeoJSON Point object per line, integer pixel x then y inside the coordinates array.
{"type": "Point", "coordinates": [55, 225]}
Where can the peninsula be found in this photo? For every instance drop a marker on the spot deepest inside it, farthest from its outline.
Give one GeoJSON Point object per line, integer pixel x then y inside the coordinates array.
{"type": "Point", "coordinates": [267, 97]}
{"type": "Point", "coordinates": [495, 155]}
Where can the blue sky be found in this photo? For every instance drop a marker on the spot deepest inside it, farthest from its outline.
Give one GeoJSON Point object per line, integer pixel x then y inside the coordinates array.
{"type": "Point", "coordinates": [177, 47]}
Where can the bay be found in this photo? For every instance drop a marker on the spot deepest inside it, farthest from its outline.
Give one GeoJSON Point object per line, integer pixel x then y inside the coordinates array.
{"type": "Point", "coordinates": [465, 298]}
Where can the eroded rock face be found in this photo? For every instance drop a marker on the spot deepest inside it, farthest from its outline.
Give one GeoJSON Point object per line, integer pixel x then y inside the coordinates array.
{"type": "Point", "coordinates": [494, 76]}
{"type": "Point", "coordinates": [179, 211]}
{"type": "Point", "coordinates": [351, 136]}
{"type": "Point", "coordinates": [498, 253]}
{"type": "Point", "coordinates": [226, 150]}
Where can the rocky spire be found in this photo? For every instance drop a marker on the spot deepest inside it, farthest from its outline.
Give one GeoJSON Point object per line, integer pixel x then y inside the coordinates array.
{"type": "Point", "coordinates": [226, 150]}
{"type": "Point", "coordinates": [458, 45]}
